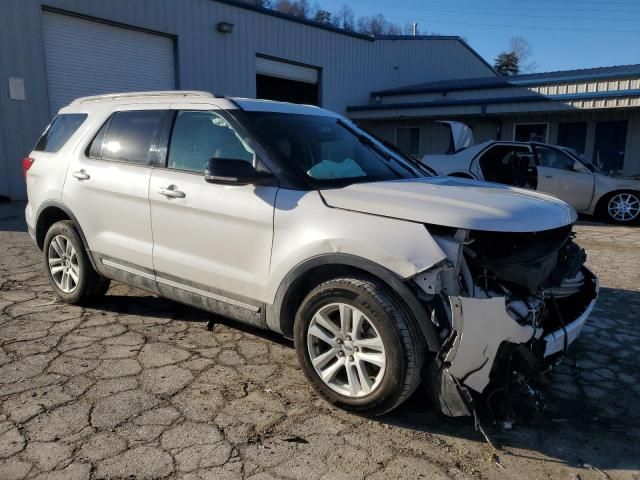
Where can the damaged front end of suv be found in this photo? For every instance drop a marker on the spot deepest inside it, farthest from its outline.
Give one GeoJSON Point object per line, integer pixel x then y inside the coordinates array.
{"type": "Point", "coordinates": [506, 306]}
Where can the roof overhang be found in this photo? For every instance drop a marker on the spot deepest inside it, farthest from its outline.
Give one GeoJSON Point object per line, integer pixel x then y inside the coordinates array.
{"type": "Point", "coordinates": [500, 106]}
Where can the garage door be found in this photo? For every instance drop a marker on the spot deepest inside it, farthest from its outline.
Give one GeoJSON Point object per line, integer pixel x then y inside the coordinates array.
{"type": "Point", "coordinates": [286, 82]}
{"type": "Point", "coordinates": [289, 71]}
{"type": "Point", "coordinates": [90, 58]}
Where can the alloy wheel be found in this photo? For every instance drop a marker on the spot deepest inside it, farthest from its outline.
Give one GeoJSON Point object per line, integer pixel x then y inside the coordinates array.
{"type": "Point", "coordinates": [346, 350]}
{"type": "Point", "coordinates": [63, 263]}
{"type": "Point", "coordinates": [624, 207]}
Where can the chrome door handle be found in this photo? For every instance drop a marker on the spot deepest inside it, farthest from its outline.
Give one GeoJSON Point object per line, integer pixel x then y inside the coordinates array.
{"type": "Point", "coordinates": [81, 175]}
{"type": "Point", "coordinates": [171, 193]}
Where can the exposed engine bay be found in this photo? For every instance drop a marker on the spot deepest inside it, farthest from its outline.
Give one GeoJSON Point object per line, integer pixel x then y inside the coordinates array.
{"type": "Point", "coordinates": [506, 307]}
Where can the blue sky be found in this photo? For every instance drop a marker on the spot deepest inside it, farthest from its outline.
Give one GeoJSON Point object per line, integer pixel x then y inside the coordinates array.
{"type": "Point", "coordinates": [564, 34]}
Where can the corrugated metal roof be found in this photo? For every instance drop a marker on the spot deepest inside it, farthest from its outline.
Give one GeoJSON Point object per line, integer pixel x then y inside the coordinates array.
{"type": "Point", "coordinates": [620, 71]}
{"type": "Point", "coordinates": [582, 74]}
{"type": "Point", "coordinates": [497, 100]}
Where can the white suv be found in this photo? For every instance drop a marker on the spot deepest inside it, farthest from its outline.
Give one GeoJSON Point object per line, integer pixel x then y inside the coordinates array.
{"type": "Point", "coordinates": [293, 219]}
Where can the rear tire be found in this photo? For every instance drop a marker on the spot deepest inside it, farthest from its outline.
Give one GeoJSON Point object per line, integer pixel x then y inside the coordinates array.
{"type": "Point", "coordinates": [621, 207]}
{"type": "Point", "coordinates": [68, 266]}
{"type": "Point", "coordinates": [357, 346]}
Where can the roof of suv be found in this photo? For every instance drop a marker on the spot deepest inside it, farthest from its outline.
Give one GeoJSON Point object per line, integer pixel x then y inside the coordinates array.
{"type": "Point", "coordinates": [197, 97]}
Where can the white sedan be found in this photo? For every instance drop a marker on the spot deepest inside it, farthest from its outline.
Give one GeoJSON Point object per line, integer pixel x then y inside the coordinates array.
{"type": "Point", "coordinates": [555, 170]}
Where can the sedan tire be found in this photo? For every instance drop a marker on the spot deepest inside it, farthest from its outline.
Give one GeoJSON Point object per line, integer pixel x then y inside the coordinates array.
{"type": "Point", "coordinates": [357, 345]}
{"type": "Point", "coordinates": [621, 207]}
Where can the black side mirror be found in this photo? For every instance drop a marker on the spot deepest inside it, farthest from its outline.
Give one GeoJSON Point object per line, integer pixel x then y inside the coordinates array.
{"type": "Point", "coordinates": [229, 171]}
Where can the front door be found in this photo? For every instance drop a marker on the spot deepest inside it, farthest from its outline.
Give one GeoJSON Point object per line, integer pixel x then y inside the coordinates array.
{"type": "Point", "coordinates": [210, 240]}
{"type": "Point", "coordinates": [609, 147]}
{"type": "Point", "coordinates": [562, 176]}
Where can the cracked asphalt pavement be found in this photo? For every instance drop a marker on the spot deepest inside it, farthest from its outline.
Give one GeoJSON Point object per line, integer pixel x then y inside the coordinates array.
{"type": "Point", "coordinates": [134, 386]}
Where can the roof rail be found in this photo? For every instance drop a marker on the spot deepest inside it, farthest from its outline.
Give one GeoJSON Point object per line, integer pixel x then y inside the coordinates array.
{"type": "Point", "coordinates": [163, 93]}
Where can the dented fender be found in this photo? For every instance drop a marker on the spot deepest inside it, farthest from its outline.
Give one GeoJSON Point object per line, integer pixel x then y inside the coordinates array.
{"type": "Point", "coordinates": [313, 229]}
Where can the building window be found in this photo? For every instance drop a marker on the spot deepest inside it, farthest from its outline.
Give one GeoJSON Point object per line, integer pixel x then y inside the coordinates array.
{"type": "Point", "coordinates": [530, 132]}
{"type": "Point", "coordinates": [609, 145]}
{"type": "Point", "coordinates": [573, 135]}
{"type": "Point", "coordinates": [408, 140]}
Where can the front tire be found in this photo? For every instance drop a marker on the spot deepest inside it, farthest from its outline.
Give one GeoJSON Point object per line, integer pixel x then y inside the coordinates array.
{"type": "Point", "coordinates": [68, 267]}
{"type": "Point", "coordinates": [621, 207]}
{"type": "Point", "coordinates": [357, 346]}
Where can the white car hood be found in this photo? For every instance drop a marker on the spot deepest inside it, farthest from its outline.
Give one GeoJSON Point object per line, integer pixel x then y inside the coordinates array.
{"type": "Point", "coordinates": [455, 202]}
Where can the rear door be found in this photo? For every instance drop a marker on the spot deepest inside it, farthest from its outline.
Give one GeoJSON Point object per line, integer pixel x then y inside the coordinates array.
{"type": "Point", "coordinates": [511, 164]}
{"type": "Point", "coordinates": [562, 176]}
{"type": "Point", "coordinates": [210, 240]}
{"type": "Point", "coordinates": [107, 187]}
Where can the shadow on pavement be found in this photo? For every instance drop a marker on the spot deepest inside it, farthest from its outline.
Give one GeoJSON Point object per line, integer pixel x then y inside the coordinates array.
{"type": "Point", "coordinates": [12, 217]}
{"type": "Point", "coordinates": [158, 307]}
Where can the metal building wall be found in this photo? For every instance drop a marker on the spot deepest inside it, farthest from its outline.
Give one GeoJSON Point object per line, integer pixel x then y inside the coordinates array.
{"type": "Point", "coordinates": [207, 60]}
{"type": "Point", "coordinates": [434, 139]}
{"type": "Point", "coordinates": [632, 148]}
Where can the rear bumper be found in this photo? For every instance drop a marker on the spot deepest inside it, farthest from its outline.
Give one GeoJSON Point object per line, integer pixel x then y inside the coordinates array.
{"type": "Point", "coordinates": [30, 219]}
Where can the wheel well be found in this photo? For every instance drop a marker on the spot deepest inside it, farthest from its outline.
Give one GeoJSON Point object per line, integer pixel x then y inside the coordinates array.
{"type": "Point", "coordinates": [48, 217]}
{"type": "Point", "coordinates": [460, 175]}
{"type": "Point", "coordinates": [304, 284]}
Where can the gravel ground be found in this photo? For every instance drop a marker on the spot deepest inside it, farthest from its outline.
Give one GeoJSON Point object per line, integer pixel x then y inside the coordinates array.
{"type": "Point", "coordinates": [136, 387]}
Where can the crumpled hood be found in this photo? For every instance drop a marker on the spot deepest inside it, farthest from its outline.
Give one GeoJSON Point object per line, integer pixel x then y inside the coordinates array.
{"type": "Point", "coordinates": [455, 202]}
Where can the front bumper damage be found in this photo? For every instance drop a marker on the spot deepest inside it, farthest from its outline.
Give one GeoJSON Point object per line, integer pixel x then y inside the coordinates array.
{"type": "Point", "coordinates": [493, 335]}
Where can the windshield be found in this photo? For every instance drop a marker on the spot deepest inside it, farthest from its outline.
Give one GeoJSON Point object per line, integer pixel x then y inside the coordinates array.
{"type": "Point", "coordinates": [328, 150]}
{"type": "Point", "coordinates": [583, 158]}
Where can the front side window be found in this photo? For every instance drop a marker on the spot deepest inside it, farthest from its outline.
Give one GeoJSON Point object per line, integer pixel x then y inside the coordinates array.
{"type": "Point", "coordinates": [554, 158]}
{"type": "Point", "coordinates": [327, 150]}
{"type": "Point", "coordinates": [199, 136]}
{"type": "Point", "coordinates": [128, 136]}
{"type": "Point", "coordinates": [408, 140]}
{"type": "Point", "coordinates": [60, 130]}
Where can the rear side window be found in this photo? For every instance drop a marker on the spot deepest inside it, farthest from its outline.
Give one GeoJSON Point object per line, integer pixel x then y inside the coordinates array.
{"type": "Point", "coordinates": [59, 131]}
{"type": "Point", "coordinates": [129, 136]}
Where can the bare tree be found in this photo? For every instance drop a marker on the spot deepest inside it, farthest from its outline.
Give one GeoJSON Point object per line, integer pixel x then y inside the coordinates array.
{"type": "Point", "coordinates": [344, 18]}
{"type": "Point", "coordinates": [297, 8]}
{"type": "Point", "coordinates": [522, 49]}
{"type": "Point", "coordinates": [514, 60]}
{"type": "Point", "coordinates": [377, 25]}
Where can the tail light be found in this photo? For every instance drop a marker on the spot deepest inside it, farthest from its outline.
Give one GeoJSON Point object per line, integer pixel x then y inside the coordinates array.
{"type": "Point", "coordinates": [26, 165]}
